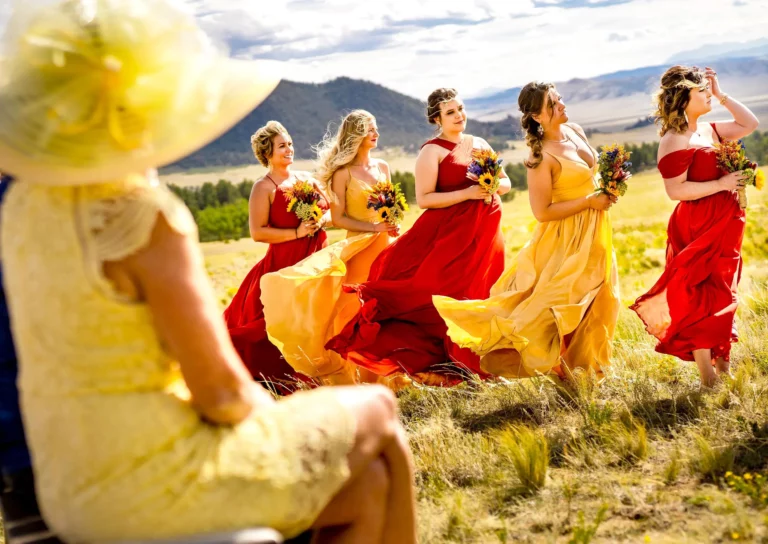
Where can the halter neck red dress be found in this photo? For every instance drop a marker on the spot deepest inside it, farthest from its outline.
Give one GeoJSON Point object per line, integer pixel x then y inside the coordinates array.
{"type": "Point", "coordinates": [693, 304]}
{"type": "Point", "coordinates": [245, 314]}
{"type": "Point", "coordinates": [456, 251]}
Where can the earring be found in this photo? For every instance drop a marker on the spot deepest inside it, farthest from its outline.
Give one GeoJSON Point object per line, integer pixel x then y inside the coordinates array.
{"type": "Point", "coordinates": [540, 131]}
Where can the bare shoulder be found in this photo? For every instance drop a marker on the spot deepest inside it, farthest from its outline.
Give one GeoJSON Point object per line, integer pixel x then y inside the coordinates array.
{"type": "Point", "coordinates": [381, 163]}
{"type": "Point", "coordinates": [430, 152]}
{"type": "Point", "coordinates": [671, 142]}
{"type": "Point", "coordinates": [577, 128]}
{"type": "Point", "coordinates": [547, 164]}
{"type": "Point", "coordinates": [341, 175]}
{"type": "Point", "coordinates": [263, 186]}
{"type": "Point", "coordinates": [480, 143]}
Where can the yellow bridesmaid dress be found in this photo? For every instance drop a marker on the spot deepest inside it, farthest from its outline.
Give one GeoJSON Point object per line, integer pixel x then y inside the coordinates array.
{"type": "Point", "coordinates": [556, 308]}
{"type": "Point", "coordinates": [304, 305]}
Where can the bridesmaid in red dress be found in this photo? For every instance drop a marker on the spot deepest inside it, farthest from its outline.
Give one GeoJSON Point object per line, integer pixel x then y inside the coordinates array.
{"type": "Point", "coordinates": [691, 308]}
{"type": "Point", "coordinates": [289, 241]}
{"type": "Point", "coordinates": [455, 248]}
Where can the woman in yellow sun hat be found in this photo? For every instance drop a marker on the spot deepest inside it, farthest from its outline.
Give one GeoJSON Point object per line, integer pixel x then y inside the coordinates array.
{"type": "Point", "coordinates": [142, 421]}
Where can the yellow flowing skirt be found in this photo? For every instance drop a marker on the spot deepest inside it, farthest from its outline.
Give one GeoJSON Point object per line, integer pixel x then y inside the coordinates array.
{"type": "Point", "coordinates": [556, 306]}
{"type": "Point", "coordinates": [304, 305]}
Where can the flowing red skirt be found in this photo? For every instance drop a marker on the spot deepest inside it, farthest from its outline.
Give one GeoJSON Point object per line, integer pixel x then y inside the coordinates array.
{"type": "Point", "coordinates": [245, 314]}
{"type": "Point", "coordinates": [693, 305]}
{"type": "Point", "coordinates": [457, 252]}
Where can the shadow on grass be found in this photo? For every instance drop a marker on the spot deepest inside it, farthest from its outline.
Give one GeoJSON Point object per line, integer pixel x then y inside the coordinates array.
{"type": "Point", "coordinates": [500, 417]}
{"type": "Point", "coordinates": [664, 415]}
{"type": "Point", "coordinates": [752, 451]}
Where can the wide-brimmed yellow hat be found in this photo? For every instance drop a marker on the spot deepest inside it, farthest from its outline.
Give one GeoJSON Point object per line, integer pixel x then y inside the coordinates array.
{"type": "Point", "coordinates": [94, 90]}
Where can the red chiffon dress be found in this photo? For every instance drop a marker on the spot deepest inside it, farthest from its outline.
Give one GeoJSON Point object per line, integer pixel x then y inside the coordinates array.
{"type": "Point", "coordinates": [245, 314]}
{"type": "Point", "coordinates": [693, 304]}
{"type": "Point", "coordinates": [456, 251]}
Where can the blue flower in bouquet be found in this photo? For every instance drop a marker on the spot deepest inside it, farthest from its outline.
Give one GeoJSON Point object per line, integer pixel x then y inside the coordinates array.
{"type": "Point", "coordinates": [475, 168]}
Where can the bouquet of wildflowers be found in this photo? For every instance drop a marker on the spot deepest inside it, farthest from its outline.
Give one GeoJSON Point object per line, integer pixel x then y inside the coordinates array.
{"type": "Point", "coordinates": [613, 167]}
{"type": "Point", "coordinates": [303, 200]}
{"type": "Point", "coordinates": [486, 167]}
{"type": "Point", "coordinates": [388, 200]}
{"type": "Point", "coordinates": [732, 157]}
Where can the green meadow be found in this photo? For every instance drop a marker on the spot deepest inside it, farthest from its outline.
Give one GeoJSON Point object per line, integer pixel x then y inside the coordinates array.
{"type": "Point", "coordinates": [642, 457]}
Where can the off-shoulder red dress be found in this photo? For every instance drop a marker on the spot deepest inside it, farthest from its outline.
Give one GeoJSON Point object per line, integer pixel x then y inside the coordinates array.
{"type": "Point", "coordinates": [456, 251]}
{"type": "Point", "coordinates": [245, 314]}
{"type": "Point", "coordinates": [693, 304]}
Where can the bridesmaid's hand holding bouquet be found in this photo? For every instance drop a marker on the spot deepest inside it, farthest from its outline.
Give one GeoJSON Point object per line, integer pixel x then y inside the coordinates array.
{"type": "Point", "coordinates": [732, 157]}
{"type": "Point", "coordinates": [485, 168]}
{"type": "Point", "coordinates": [303, 199]}
{"type": "Point", "coordinates": [613, 169]}
{"type": "Point", "coordinates": [388, 201]}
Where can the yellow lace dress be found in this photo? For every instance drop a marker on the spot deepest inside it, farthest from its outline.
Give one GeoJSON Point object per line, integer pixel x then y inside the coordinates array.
{"type": "Point", "coordinates": [118, 451]}
{"type": "Point", "coordinates": [304, 305]}
{"type": "Point", "coordinates": [557, 305]}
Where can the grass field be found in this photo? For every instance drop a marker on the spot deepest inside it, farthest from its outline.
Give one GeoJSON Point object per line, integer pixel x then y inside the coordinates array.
{"type": "Point", "coordinates": [641, 458]}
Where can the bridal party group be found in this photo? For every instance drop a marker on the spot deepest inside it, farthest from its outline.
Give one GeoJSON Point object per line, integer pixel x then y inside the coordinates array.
{"type": "Point", "coordinates": [130, 415]}
{"type": "Point", "coordinates": [436, 304]}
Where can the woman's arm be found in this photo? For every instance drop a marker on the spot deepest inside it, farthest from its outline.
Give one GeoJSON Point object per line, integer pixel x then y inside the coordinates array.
{"type": "Point", "coordinates": [258, 218]}
{"type": "Point", "coordinates": [540, 196]}
{"type": "Point", "coordinates": [427, 197]}
{"type": "Point", "coordinates": [679, 188]}
{"type": "Point", "coordinates": [744, 121]}
{"type": "Point", "coordinates": [170, 276]}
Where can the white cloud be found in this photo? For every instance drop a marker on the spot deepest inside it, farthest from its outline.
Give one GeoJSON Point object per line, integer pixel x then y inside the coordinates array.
{"type": "Point", "coordinates": [414, 46]}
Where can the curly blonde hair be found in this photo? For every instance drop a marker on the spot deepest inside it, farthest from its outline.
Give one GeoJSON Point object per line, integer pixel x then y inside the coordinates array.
{"type": "Point", "coordinates": [530, 101]}
{"type": "Point", "coordinates": [262, 140]}
{"type": "Point", "coordinates": [339, 150]}
{"type": "Point", "coordinates": [674, 95]}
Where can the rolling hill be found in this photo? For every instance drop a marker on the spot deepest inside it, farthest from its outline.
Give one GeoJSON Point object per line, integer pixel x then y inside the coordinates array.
{"type": "Point", "coordinates": [617, 100]}
{"type": "Point", "coordinates": [307, 109]}
{"type": "Point", "coordinates": [611, 102]}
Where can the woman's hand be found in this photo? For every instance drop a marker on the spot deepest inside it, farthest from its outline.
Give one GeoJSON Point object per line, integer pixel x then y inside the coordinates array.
{"type": "Point", "coordinates": [307, 228]}
{"type": "Point", "coordinates": [600, 201]}
{"type": "Point", "coordinates": [733, 181]}
{"type": "Point", "coordinates": [326, 220]}
{"type": "Point", "coordinates": [475, 192]}
{"type": "Point", "coordinates": [386, 227]}
{"type": "Point", "coordinates": [714, 85]}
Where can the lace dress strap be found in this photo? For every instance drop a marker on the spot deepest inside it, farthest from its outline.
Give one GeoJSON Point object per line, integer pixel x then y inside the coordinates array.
{"type": "Point", "coordinates": [119, 219]}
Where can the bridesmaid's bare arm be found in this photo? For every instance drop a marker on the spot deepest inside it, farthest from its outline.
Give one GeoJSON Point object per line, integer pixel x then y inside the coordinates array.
{"type": "Point", "coordinates": [339, 207]}
{"type": "Point", "coordinates": [259, 205]}
{"type": "Point", "coordinates": [170, 276]}
{"type": "Point", "coordinates": [679, 188]}
{"type": "Point", "coordinates": [427, 197]}
{"type": "Point", "coordinates": [540, 195]}
{"type": "Point", "coordinates": [744, 121]}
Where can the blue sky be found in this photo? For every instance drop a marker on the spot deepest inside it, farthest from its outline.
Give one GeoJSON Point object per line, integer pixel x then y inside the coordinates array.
{"type": "Point", "coordinates": [477, 46]}
{"type": "Point", "coordinates": [414, 46]}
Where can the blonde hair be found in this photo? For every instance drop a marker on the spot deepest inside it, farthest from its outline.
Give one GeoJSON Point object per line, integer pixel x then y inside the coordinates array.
{"type": "Point", "coordinates": [674, 96]}
{"type": "Point", "coordinates": [531, 101]}
{"type": "Point", "coordinates": [339, 150]}
{"type": "Point", "coordinates": [262, 141]}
